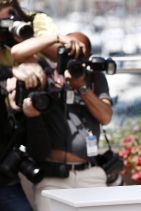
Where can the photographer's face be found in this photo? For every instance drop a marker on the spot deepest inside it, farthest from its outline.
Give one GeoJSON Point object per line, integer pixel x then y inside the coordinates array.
{"type": "Point", "coordinates": [5, 12]}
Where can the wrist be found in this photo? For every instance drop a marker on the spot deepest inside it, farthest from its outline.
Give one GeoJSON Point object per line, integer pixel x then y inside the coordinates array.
{"type": "Point", "coordinates": [32, 115]}
{"type": "Point", "coordinates": [34, 118]}
{"type": "Point", "coordinates": [83, 89]}
{"type": "Point", "coordinates": [14, 70]}
{"type": "Point", "coordinates": [58, 38]}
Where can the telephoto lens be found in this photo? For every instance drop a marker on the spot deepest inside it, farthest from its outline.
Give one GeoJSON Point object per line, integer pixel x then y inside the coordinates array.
{"type": "Point", "coordinates": [29, 167]}
{"type": "Point", "coordinates": [100, 64]}
{"type": "Point", "coordinates": [17, 28]}
{"type": "Point", "coordinates": [21, 29]}
{"type": "Point", "coordinates": [18, 160]}
{"type": "Point", "coordinates": [10, 165]}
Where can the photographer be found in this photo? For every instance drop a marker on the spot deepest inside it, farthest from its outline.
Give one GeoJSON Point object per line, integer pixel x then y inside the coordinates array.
{"type": "Point", "coordinates": [57, 137]}
{"type": "Point", "coordinates": [39, 23]}
{"type": "Point", "coordinates": [47, 45]}
{"type": "Point", "coordinates": [12, 196]}
{"type": "Point", "coordinates": [20, 25]}
{"type": "Point", "coordinates": [31, 73]}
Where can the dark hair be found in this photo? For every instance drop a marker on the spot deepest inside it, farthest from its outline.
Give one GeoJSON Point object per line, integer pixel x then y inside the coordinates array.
{"type": "Point", "coordinates": [17, 8]}
{"type": "Point", "coordinates": [84, 39]}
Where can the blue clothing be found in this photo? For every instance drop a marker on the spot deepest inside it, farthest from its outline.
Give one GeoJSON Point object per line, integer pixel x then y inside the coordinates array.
{"type": "Point", "coordinates": [12, 198]}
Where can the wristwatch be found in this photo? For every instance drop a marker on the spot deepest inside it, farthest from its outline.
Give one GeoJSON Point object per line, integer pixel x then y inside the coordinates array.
{"type": "Point", "coordinates": [83, 89]}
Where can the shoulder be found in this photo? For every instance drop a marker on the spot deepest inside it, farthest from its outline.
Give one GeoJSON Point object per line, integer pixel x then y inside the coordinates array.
{"type": "Point", "coordinates": [42, 23]}
{"type": "Point", "coordinates": [99, 79]}
{"type": "Point", "coordinates": [41, 17]}
{"type": "Point", "coordinates": [6, 58]}
{"type": "Point", "coordinates": [101, 86]}
{"type": "Point", "coordinates": [99, 75]}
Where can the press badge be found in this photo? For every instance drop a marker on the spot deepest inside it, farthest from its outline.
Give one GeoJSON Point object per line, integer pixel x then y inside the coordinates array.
{"type": "Point", "coordinates": [91, 144]}
{"type": "Point", "coordinates": [70, 97]}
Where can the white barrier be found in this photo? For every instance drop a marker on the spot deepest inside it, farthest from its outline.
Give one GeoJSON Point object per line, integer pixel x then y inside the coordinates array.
{"type": "Point", "coordinates": [120, 198]}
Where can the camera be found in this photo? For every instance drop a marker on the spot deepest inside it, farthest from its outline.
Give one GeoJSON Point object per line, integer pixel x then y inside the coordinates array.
{"type": "Point", "coordinates": [94, 64]}
{"type": "Point", "coordinates": [42, 99]}
{"type": "Point", "coordinates": [63, 58]}
{"type": "Point", "coordinates": [18, 160]}
{"type": "Point", "coordinates": [80, 66]}
{"type": "Point", "coordinates": [16, 27]}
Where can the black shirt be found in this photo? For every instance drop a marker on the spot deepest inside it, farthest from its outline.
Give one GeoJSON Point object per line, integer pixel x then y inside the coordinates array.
{"type": "Point", "coordinates": [5, 72]}
{"type": "Point", "coordinates": [65, 128]}
{"type": "Point", "coordinates": [4, 141]}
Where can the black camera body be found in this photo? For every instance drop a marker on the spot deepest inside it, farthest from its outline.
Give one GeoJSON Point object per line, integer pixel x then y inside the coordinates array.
{"type": "Point", "coordinates": [80, 65]}
{"type": "Point", "coordinates": [18, 160]}
{"type": "Point", "coordinates": [15, 27]}
{"type": "Point", "coordinates": [63, 58]}
{"type": "Point", "coordinates": [42, 99]}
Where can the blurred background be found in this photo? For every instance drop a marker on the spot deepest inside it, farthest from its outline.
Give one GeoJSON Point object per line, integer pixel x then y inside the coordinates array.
{"type": "Point", "coordinates": [112, 25]}
{"type": "Point", "coordinates": [114, 28]}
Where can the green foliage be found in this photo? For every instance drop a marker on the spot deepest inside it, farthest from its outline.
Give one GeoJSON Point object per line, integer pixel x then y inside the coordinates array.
{"type": "Point", "coordinates": [116, 135]}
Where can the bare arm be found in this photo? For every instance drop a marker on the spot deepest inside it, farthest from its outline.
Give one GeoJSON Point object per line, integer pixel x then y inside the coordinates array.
{"type": "Point", "coordinates": [46, 44]}
{"type": "Point", "coordinates": [101, 109]}
{"type": "Point", "coordinates": [31, 46]}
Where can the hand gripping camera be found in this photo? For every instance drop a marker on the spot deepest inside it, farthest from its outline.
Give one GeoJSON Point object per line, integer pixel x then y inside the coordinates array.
{"type": "Point", "coordinates": [79, 66]}
{"type": "Point", "coordinates": [63, 58]}
{"type": "Point", "coordinates": [18, 160]}
{"type": "Point", "coordinates": [41, 98]}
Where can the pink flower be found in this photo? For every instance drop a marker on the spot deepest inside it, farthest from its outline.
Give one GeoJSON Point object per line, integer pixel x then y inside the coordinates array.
{"type": "Point", "coordinates": [136, 160]}
{"type": "Point", "coordinates": [128, 141]}
{"type": "Point", "coordinates": [131, 153]}
{"type": "Point", "coordinates": [136, 176]}
{"type": "Point", "coordinates": [125, 152]}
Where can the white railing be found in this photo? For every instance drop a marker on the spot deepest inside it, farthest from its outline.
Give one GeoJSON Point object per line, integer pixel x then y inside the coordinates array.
{"type": "Point", "coordinates": [119, 198]}
{"type": "Point", "coordinates": [128, 64]}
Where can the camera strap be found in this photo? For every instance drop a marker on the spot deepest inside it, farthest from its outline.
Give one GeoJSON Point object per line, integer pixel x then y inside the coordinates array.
{"type": "Point", "coordinates": [106, 138]}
